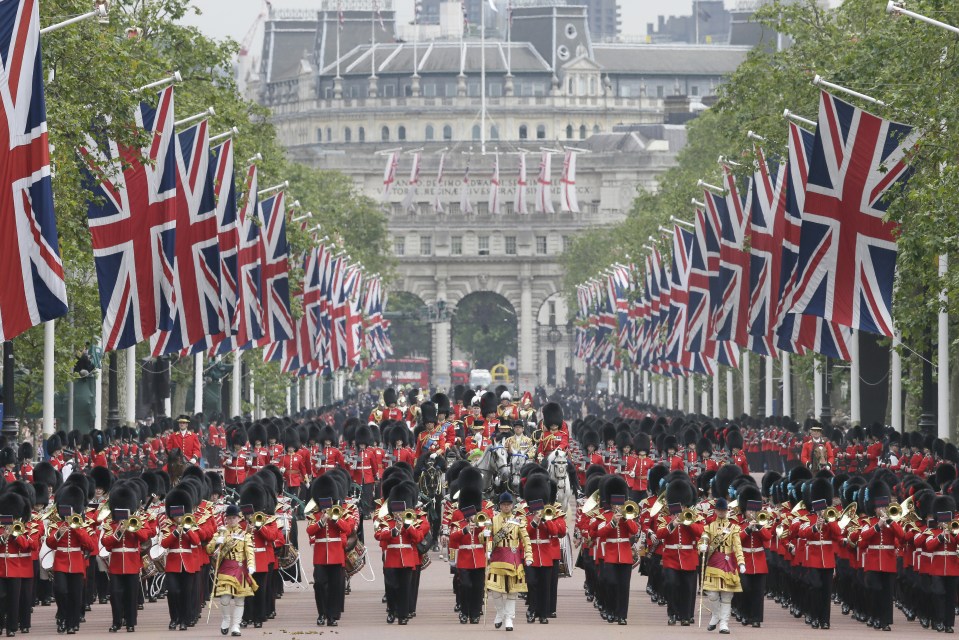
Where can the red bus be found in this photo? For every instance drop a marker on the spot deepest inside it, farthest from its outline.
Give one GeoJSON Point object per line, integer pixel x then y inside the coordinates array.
{"type": "Point", "coordinates": [408, 371]}
{"type": "Point", "coordinates": [459, 372]}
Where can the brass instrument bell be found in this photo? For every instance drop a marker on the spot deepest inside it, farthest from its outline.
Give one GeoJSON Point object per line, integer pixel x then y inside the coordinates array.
{"type": "Point", "coordinates": [188, 522]}
{"type": "Point", "coordinates": [481, 519]}
{"type": "Point", "coordinates": [75, 521]}
{"type": "Point", "coordinates": [764, 519]}
{"type": "Point", "coordinates": [335, 512]}
{"type": "Point", "coordinates": [630, 510]}
{"type": "Point", "coordinates": [408, 517]}
{"type": "Point", "coordinates": [831, 514]}
{"type": "Point", "coordinates": [549, 512]}
{"type": "Point", "coordinates": [687, 517]}
{"type": "Point", "coordinates": [17, 529]}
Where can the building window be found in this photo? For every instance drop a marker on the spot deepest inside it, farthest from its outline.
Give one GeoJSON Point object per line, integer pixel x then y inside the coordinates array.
{"type": "Point", "coordinates": [319, 134]}
{"type": "Point", "coordinates": [426, 246]}
{"type": "Point", "coordinates": [541, 245]}
{"type": "Point", "coordinates": [385, 134]}
{"type": "Point", "coordinates": [456, 245]}
{"type": "Point", "coordinates": [476, 132]}
{"type": "Point", "coordinates": [399, 246]}
{"type": "Point", "coordinates": [483, 245]}
{"type": "Point", "coordinates": [401, 133]}
{"type": "Point", "coordinates": [582, 132]}
{"type": "Point", "coordinates": [429, 132]}
{"type": "Point", "coordinates": [541, 132]}
{"type": "Point", "coordinates": [523, 132]}
{"type": "Point", "coordinates": [551, 309]}
{"type": "Point", "coordinates": [572, 86]}
{"type": "Point", "coordinates": [595, 128]}
{"type": "Point", "coordinates": [566, 243]}
{"type": "Point", "coordinates": [361, 132]}
{"type": "Point", "coordinates": [347, 135]}
{"type": "Point", "coordinates": [551, 367]}
{"type": "Point", "coordinates": [329, 134]}
{"type": "Point", "coordinates": [429, 90]}
{"type": "Point", "coordinates": [494, 132]}
{"type": "Point", "coordinates": [511, 245]}
{"type": "Point", "coordinates": [569, 132]}
{"type": "Point", "coordinates": [447, 132]}
{"type": "Point", "coordinates": [694, 90]}
{"type": "Point", "coordinates": [660, 91]}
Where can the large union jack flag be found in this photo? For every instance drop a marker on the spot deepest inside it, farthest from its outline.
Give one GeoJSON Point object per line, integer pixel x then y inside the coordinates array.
{"type": "Point", "coordinates": [795, 332]}
{"type": "Point", "coordinates": [730, 320]}
{"type": "Point", "coordinates": [248, 323]}
{"type": "Point", "coordinates": [275, 272]}
{"type": "Point", "coordinates": [33, 289]}
{"type": "Point", "coordinates": [847, 249]}
{"type": "Point", "coordinates": [197, 312]}
{"type": "Point", "coordinates": [132, 218]}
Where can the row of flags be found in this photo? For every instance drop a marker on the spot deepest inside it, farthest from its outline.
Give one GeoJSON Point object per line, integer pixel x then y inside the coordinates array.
{"type": "Point", "coordinates": [569, 202]}
{"type": "Point", "coordinates": [794, 262]}
{"type": "Point", "coordinates": [182, 260]}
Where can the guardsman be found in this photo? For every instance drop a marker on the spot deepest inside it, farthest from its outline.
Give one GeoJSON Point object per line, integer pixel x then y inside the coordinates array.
{"type": "Point", "coordinates": [8, 463]}
{"type": "Point", "coordinates": [468, 537]}
{"type": "Point", "coordinates": [448, 423]}
{"type": "Point", "coordinates": [879, 539]}
{"type": "Point", "coordinates": [940, 557]}
{"type": "Point", "coordinates": [489, 409]}
{"type": "Point", "coordinates": [672, 457]}
{"type": "Point", "coordinates": [460, 404]}
{"type": "Point", "coordinates": [614, 531]}
{"type": "Point", "coordinates": [541, 529]}
{"type": "Point", "coordinates": [821, 538]}
{"type": "Point", "coordinates": [398, 436]}
{"type": "Point", "coordinates": [328, 456]}
{"type": "Point", "coordinates": [679, 536]}
{"type": "Point", "coordinates": [122, 537]}
{"type": "Point", "coordinates": [754, 537]}
{"type": "Point", "coordinates": [638, 466]}
{"type": "Point", "coordinates": [180, 538]}
{"type": "Point", "coordinates": [433, 437]}
{"type": "Point", "coordinates": [258, 508]}
{"type": "Point", "coordinates": [16, 550]}
{"type": "Point", "coordinates": [328, 531]}
{"type": "Point", "coordinates": [590, 441]}
{"type": "Point", "coordinates": [25, 455]}
{"type": "Point", "coordinates": [391, 411]}
{"type": "Point", "coordinates": [554, 437]}
{"type": "Point", "coordinates": [295, 471]}
{"type": "Point", "coordinates": [236, 459]}
{"type": "Point", "coordinates": [364, 472]}
{"type": "Point", "coordinates": [70, 539]}
{"type": "Point", "coordinates": [399, 533]}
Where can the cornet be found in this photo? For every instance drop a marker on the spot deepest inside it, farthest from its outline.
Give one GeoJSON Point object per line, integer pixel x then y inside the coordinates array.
{"type": "Point", "coordinates": [630, 510]}
{"type": "Point", "coordinates": [481, 519]}
{"type": "Point", "coordinates": [408, 517]}
{"type": "Point", "coordinates": [187, 522]}
{"type": "Point", "coordinates": [687, 517]}
{"type": "Point", "coordinates": [764, 519]}
{"type": "Point", "coordinates": [549, 512]}
{"type": "Point", "coordinates": [335, 512]}
{"type": "Point", "coordinates": [831, 514]}
{"type": "Point", "coordinates": [16, 529]}
{"type": "Point", "coordinates": [75, 521]}
{"type": "Point", "coordinates": [954, 528]}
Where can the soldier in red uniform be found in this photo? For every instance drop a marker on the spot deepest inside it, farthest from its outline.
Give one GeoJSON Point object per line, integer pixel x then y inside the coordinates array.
{"type": "Point", "coordinates": [400, 536]}
{"type": "Point", "coordinates": [590, 442]}
{"type": "Point", "coordinates": [25, 456]}
{"type": "Point", "coordinates": [295, 471]}
{"type": "Point", "coordinates": [327, 456]}
{"type": "Point", "coordinates": [821, 539]}
{"type": "Point", "coordinates": [391, 410]}
{"type": "Point", "coordinates": [328, 535]}
{"type": "Point", "coordinates": [614, 533]}
{"type": "Point", "coordinates": [734, 442]}
{"type": "Point", "coordinates": [8, 462]}
{"type": "Point", "coordinates": [16, 550]}
{"type": "Point", "coordinates": [874, 447]}
{"type": "Point", "coordinates": [554, 436]}
{"type": "Point", "coordinates": [879, 538]}
{"type": "Point", "coordinates": [432, 439]}
{"type": "Point", "coordinates": [55, 452]}
{"type": "Point", "coordinates": [816, 441]}
{"type": "Point", "coordinates": [69, 543]}
{"type": "Point", "coordinates": [364, 472]}
{"type": "Point", "coordinates": [236, 459]}
{"type": "Point", "coordinates": [181, 540]}
{"type": "Point", "coordinates": [398, 436]}
{"type": "Point", "coordinates": [541, 531]}
{"type": "Point", "coordinates": [185, 440]}
{"type": "Point", "coordinates": [445, 419]}
{"type": "Point", "coordinates": [123, 541]}
{"type": "Point", "coordinates": [469, 539]}
{"type": "Point", "coordinates": [673, 460]}
{"type": "Point", "coordinates": [940, 558]}
{"type": "Point", "coordinates": [460, 404]}
{"type": "Point", "coordinates": [259, 452]}
{"type": "Point", "coordinates": [637, 468]}
{"type": "Point", "coordinates": [680, 559]}
{"type": "Point", "coordinates": [755, 539]}
{"type": "Point", "coordinates": [258, 506]}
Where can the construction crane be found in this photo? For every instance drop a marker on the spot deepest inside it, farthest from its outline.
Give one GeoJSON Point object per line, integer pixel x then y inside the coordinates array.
{"type": "Point", "coordinates": [251, 33]}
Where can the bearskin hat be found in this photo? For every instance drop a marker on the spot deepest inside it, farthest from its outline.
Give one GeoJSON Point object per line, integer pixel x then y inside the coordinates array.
{"type": "Point", "coordinates": [945, 473]}
{"type": "Point", "coordinates": [124, 497]}
{"type": "Point", "coordinates": [471, 477]}
{"type": "Point", "coordinates": [623, 440]}
{"type": "Point", "coordinates": [349, 429]}
{"type": "Point", "coordinates": [734, 439]}
{"type": "Point", "coordinates": [703, 446]}
{"type": "Point", "coordinates": [72, 495]}
{"type": "Point", "coordinates": [256, 432]}
{"type": "Point", "coordinates": [25, 451]}
{"type": "Point", "coordinates": [595, 470]}
{"type": "Point", "coordinates": [291, 439]}
{"type": "Point", "coordinates": [590, 439]}
{"type": "Point", "coordinates": [216, 482]}
{"type": "Point", "coordinates": [488, 403]}
{"type": "Point", "coordinates": [821, 489]}
{"type": "Point", "coordinates": [470, 497]}
{"type": "Point", "coordinates": [552, 414]}
{"type": "Point", "coordinates": [8, 456]}
{"type": "Point", "coordinates": [468, 396]}
{"type": "Point", "coordinates": [458, 392]}
{"type": "Point", "coordinates": [364, 436]}
{"type": "Point", "coordinates": [680, 492]}
{"type": "Point", "coordinates": [454, 470]}
{"type": "Point", "coordinates": [536, 488]}
{"type": "Point", "coordinates": [876, 489]}
{"type": "Point", "coordinates": [273, 431]}
{"type": "Point", "coordinates": [724, 478]}
{"type": "Point", "coordinates": [325, 488]}
{"type": "Point", "coordinates": [406, 491]}
{"type": "Point", "coordinates": [798, 474]}
{"type": "Point", "coordinates": [327, 434]}
{"type": "Point", "coordinates": [670, 442]}
{"type": "Point", "coordinates": [42, 493]}
{"type": "Point", "coordinates": [690, 437]}
{"type": "Point", "coordinates": [442, 402]}
{"type": "Point", "coordinates": [641, 442]}
{"type": "Point", "coordinates": [387, 485]}
{"type": "Point", "coordinates": [655, 476]}
{"type": "Point", "coordinates": [704, 481]}
{"type": "Point", "coordinates": [389, 396]}
{"type": "Point", "coordinates": [399, 432]}
{"type": "Point", "coordinates": [178, 497]}
{"type": "Point", "coordinates": [237, 436]}
{"type": "Point", "coordinates": [611, 485]}
{"type": "Point", "coordinates": [54, 444]}
{"type": "Point", "coordinates": [769, 478]}
{"type": "Point", "coordinates": [13, 504]}
{"type": "Point", "coordinates": [608, 432]}
{"type": "Point", "coordinates": [255, 494]}
{"type": "Point", "coordinates": [428, 413]}
{"type": "Point", "coordinates": [102, 478]}
{"type": "Point", "coordinates": [941, 504]}
{"type": "Point", "coordinates": [748, 493]}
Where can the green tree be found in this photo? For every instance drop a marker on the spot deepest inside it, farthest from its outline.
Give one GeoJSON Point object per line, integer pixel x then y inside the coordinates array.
{"type": "Point", "coordinates": [484, 326]}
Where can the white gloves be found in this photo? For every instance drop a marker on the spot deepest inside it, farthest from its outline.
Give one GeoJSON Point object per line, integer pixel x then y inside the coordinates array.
{"type": "Point", "coordinates": [529, 563]}
{"type": "Point", "coordinates": [742, 568]}
{"type": "Point", "coordinates": [220, 540]}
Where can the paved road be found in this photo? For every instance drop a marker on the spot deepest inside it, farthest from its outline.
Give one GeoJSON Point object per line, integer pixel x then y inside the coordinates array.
{"type": "Point", "coordinates": [365, 615]}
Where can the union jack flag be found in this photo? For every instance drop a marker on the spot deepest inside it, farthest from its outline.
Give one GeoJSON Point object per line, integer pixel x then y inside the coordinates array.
{"type": "Point", "coordinates": [767, 227]}
{"type": "Point", "coordinates": [197, 311]}
{"type": "Point", "coordinates": [33, 288]}
{"type": "Point", "coordinates": [733, 264]}
{"type": "Point", "coordinates": [795, 332]}
{"type": "Point", "coordinates": [224, 185]}
{"type": "Point", "coordinates": [248, 322]}
{"type": "Point", "coordinates": [847, 249]}
{"type": "Point", "coordinates": [309, 341]}
{"type": "Point", "coordinates": [376, 341]}
{"type": "Point", "coordinates": [683, 244]}
{"type": "Point", "coordinates": [132, 219]}
{"type": "Point", "coordinates": [274, 272]}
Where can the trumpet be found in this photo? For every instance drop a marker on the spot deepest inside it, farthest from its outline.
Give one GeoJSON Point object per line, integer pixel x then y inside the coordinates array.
{"type": "Point", "coordinates": [259, 519]}
{"type": "Point", "coordinates": [133, 523]}
{"type": "Point", "coordinates": [954, 528]}
{"type": "Point", "coordinates": [831, 514]}
{"type": "Point", "coordinates": [630, 510]}
{"type": "Point", "coordinates": [408, 517]}
{"type": "Point", "coordinates": [764, 519]}
{"type": "Point", "coordinates": [481, 519]}
{"type": "Point", "coordinates": [16, 529]}
{"type": "Point", "coordinates": [549, 512]}
{"type": "Point", "coordinates": [687, 517]}
{"type": "Point", "coordinates": [188, 522]}
{"type": "Point", "coordinates": [335, 512]}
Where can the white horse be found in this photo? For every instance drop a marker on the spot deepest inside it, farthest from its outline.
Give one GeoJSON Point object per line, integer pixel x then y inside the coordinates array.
{"type": "Point", "coordinates": [557, 463]}
{"type": "Point", "coordinates": [495, 468]}
{"type": "Point", "coordinates": [517, 461]}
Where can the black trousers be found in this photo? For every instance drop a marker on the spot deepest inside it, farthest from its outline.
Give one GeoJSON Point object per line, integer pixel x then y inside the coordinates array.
{"type": "Point", "coordinates": [680, 593]}
{"type": "Point", "coordinates": [271, 591]}
{"type": "Point", "coordinates": [398, 586]}
{"type": "Point", "coordinates": [615, 578]}
{"type": "Point", "coordinates": [68, 591]}
{"type": "Point", "coordinates": [554, 578]}
{"type": "Point", "coordinates": [944, 603]}
{"type": "Point", "coordinates": [329, 587]}
{"type": "Point", "coordinates": [539, 583]}
{"type": "Point", "coordinates": [366, 499]}
{"type": "Point", "coordinates": [26, 601]}
{"type": "Point", "coordinates": [881, 586]}
{"type": "Point", "coordinates": [10, 589]}
{"type": "Point", "coordinates": [753, 596]}
{"type": "Point", "coordinates": [820, 595]}
{"type": "Point", "coordinates": [124, 592]}
{"type": "Point", "coordinates": [179, 596]}
{"type": "Point", "coordinates": [472, 589]}
{"type": "Point", "coordinates": [254, 607]}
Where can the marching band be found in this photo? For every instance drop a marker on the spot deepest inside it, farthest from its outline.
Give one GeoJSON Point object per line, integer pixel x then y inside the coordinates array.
{"type": "Point", "coordinates": [857, 521]}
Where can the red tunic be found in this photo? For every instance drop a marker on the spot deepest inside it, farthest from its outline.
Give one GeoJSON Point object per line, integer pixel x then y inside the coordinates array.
{"type": "Point", "coordinates": [329, 540]}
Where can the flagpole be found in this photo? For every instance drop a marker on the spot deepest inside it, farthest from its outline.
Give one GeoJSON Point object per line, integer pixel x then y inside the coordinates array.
{"type": "Point", "coordinates": [692, 395]}
{"type": "Point", "coordinates": [747, 392]}
{"type": "Point", "coordinates": [705, 399]}
{"type": "Point", "coordinates": [896, 390]}
{"type": "Point", "coordinates": [769, 385]}
{"type": "Point", "coordinates": [482, 78]}
{"type": "Point", "coordinates": [198, 383]}
{"type": "Point", "coordinates": [730, 395]}
{"type": "Point", "coordinates": [49, 349]}
{"type": "Point", "coordinates": [98, 395]}
{"type": "Point", "coordinates": [942, 361]}
{"type": "Point", "coordinates": [131, 385]}
{"type": "Point", "coordinates": [855, 402]}
{"type": "Point", "coordinates": [787, 385]}
{"type": "Point", "coordinates": [681, 394]}
{"type": "Point", "coordinates": [817, 389]}
{"type": "Point", "coordinates": [235, 383]}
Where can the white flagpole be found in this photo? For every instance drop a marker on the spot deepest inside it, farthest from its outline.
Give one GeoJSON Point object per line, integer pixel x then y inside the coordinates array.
{"type": "Point", "coordinates": [896, 390]}
{"type": "Point", "coordinates": [705, 399]}
{"type": "Point", "coordinates": [817, 389]}
{"type": "Point", "coordinates": [131, 385]}
{"type": "Point", "coordinates": [730, 395]}
{"type": "Point", "coordinates": [942, 361]}
{"type": "Point", "coordinates": [769, 385]}
{"type": "Point", "coordinates": [855, 402]}
{"type": "Point", "coordinates": [235, 406]}
{"type": "Point", "coordinates": [787, 384]}
{"type": "Point", "coordinates": [747, 392]}
{"type": "Point", "coordinates": [98, 392]}
{"type": "Point", "coordinates": [669, 394]}
{"type": "Point", "coordinates": [49, 350]}
{"type": "Point", "coordinates": [681, 394]}
{"type": "Point", "coordinates": [198, 383]}
{"type": "Point", "coordinates": [692, 395]}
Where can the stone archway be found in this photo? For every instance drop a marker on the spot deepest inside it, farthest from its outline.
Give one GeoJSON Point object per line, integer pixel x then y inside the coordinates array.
{"type": "Point", "coordinates": [485, 329]}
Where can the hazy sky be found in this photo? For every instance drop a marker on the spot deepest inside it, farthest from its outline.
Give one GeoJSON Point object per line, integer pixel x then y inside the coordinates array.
{"type": "Point", "coordinates": [233, 18]}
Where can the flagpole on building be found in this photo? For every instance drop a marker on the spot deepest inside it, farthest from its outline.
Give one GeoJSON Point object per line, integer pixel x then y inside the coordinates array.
{"type": "Point", "coordinates": [855, 395]}
{"type": "Point", "coordinates": [49, 349]}
{"type": "Point", "coordinates": [131, 385]}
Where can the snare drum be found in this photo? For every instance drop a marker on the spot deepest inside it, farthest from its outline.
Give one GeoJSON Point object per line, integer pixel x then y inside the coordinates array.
{"type": "Point", "coordinates": [356, 559]}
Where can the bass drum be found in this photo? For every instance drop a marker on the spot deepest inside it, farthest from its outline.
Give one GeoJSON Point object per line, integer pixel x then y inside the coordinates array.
{"type": "Point", "coordinates": [566, 557]}
{"type": "Point", "coordinates": [355, 559]}
{"type": "Point", "coordinates": [46, 557]}
{"type": "Point", "coordinates": [425, 561]}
